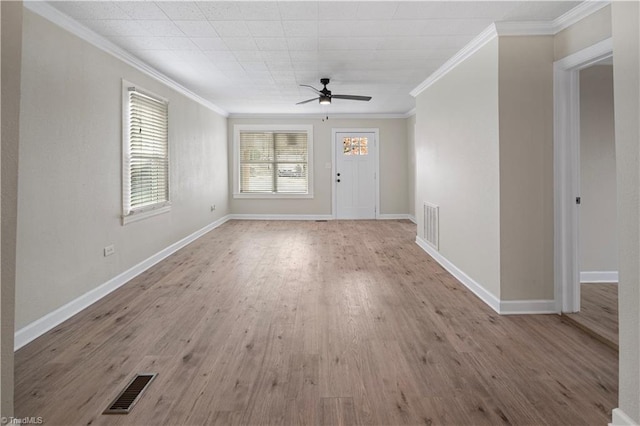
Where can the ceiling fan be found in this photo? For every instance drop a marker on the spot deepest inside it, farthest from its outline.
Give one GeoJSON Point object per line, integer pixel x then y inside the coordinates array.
{"type": "Point", "coordinates": [325, 95]}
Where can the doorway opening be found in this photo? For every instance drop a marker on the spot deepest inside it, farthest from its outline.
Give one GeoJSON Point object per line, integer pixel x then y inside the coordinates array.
{"type": "Point", "coordinates": [585, 192]}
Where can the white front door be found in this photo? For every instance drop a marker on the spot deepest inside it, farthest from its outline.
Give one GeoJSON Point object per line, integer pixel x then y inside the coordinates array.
{"type": "Point", "coordinates": [355, 175]}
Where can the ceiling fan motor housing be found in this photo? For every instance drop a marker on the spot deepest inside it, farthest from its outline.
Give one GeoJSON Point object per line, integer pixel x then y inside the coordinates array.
{"type": "Point", "coordinates": [325, 96]}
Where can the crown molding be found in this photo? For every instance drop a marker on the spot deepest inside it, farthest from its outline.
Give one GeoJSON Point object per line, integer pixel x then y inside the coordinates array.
{"type": "Point", "coordinates": [515, 28]}
{"type": "Point", "coordinates": [339, 116]}
{"type": "Point", "coordinates": [52, 14]}
{"type": "Point", "coordinates": [533, 28]}
{"type": "Point", "coordinates": [578, 13]}
{"type": "Point", "coordinates": [472, 47]}
{"type": "Point", "coordinates": [524, 28]}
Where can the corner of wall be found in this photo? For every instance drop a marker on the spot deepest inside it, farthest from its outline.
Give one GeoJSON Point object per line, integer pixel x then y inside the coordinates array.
{"type": "Point", "coordinates": [526, 168]}
{"type": "Point", "coordinates": [476, 288]}
{"type": "Point", "coordinates": [626, 74]}
{"type": "Point", "coordinates": [587, 31]}
{"type": "Point", "coordinates": [11, 63]}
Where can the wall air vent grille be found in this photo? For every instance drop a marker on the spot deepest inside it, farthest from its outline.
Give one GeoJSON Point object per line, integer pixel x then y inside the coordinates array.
{"type": "Point", "coordinates": [431, 224]}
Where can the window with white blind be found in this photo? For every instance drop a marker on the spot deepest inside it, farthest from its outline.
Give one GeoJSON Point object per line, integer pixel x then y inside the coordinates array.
{"type": "Point", "coordinates": [273, 161]}
{"type": "Point", "coordinates": [145, 168]}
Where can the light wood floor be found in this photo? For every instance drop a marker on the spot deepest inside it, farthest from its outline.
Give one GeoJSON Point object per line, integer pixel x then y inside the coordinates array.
{"type": "Point", "coordinates": [313, 323]}
{"type": "Point", "coordinates": [598, 312]}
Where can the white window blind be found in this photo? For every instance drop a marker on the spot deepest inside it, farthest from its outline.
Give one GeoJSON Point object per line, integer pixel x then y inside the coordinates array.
{"type": "Point", "coordinates": [146, 153]}
{"type": "Point", "coordinates": [274, 163]}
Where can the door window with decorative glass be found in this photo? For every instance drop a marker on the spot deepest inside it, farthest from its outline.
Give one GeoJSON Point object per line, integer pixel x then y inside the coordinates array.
{"type": "Point", "coordinates": [355, 146]}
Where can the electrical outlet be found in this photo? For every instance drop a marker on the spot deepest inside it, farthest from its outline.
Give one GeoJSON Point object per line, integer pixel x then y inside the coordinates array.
{"type": "Point", "coordinates": [109, 250]}
{"type": "Point", "coordinates": [213, 207]}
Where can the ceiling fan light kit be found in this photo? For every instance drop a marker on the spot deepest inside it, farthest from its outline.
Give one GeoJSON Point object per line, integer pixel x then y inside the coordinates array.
{"type": "Point", "coordinates": [325, 96]}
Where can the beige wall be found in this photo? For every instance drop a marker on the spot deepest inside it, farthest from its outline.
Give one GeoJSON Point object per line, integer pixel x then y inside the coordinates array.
{"type": "Point", "coordinates": [69, 201]}
{"type": "Point", "coordinates": [626, 77]}
{"type": "Point", "coordinates": [11, 28]}
{"type": "Point", "coordinates": [393, 166]}
{"type": "Point", "coordinates": [526, 167]}
{"type": "Point", "coordinates": [590, 30]}
{"type": "Point", "coordinates": [457, 164]}
{"type": "Point", "coordinates": [598, 243]}
{"type": "Point", "coordinates": [484, 154]}
{"type": "Point", "coordinates": [411, 164]}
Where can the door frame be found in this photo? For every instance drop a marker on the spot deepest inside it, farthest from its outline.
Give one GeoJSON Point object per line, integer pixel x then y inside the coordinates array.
{"type": "Point", "coordinates": [376, 149]}
{"type": "Point", "coordinates": [566, 169]}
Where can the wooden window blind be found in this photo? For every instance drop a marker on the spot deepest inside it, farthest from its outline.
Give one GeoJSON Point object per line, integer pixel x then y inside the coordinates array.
{"type": "Point", "coordinates": [274, 163]}
{"type": "Point", "coordinates": [146, 156]}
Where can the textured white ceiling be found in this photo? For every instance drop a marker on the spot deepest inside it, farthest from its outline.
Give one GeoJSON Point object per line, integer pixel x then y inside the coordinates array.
{"type": "Point", "coordinates": [251, 57]}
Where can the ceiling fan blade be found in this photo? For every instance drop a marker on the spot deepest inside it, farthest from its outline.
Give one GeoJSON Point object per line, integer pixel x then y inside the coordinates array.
{"type": "Point", "coordinates": [352, 97]}
{"type": "Point", "coordinates": [308, 100]}
{"type": "Point", "coordinates": [312, 88]}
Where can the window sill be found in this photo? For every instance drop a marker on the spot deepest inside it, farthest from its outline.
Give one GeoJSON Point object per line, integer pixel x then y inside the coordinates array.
{"type": "Point", "coordinates": [273, 196]}
{"type": "Point", "coordinates": [134, 217]}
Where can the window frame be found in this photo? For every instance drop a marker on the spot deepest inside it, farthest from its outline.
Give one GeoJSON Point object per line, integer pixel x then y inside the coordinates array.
{"type": "Point", "coordinates": [283, 128]}
{"type": "Point", "coordinates": [153, 209]}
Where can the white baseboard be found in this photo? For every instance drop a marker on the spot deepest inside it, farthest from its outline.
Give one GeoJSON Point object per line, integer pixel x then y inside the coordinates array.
{"type": "Point", "coordinates": [281, 216]}
{"type": "Point", "coordinates": [412, 218]}
{"type": "Point", "coordinates": [393, 216]}
{"type": "Point", "coordinates": [503, 307]}
{"type": "Point", "coordinates": [251, 216]}
{"type": "Point", "coordinates": [520, 307]}
{"type": "Point", "coordinates": [599, 276]}
{"type": "Point", "coordinates": [619, 418]}
{"type": "Point", "coordinates": [40, 326]}
{"type": "Point", "coordinates": [467, 281]}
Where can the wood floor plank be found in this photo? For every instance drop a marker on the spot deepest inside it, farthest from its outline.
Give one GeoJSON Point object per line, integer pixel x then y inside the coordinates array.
{"type": "Point", "coordinates": [338, 412]}
{"type": "Point", "coordinates": [312, 323]}
{"type": "Point", "coordinates": [598, 312]}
